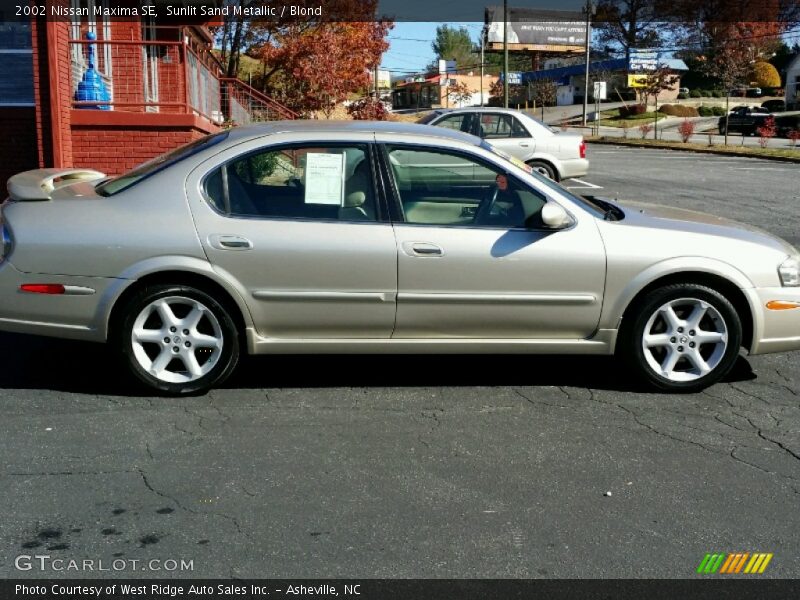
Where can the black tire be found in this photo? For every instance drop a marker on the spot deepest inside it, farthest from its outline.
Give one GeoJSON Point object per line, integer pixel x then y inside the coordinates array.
{"type": "Point", "coordinates": [223, 362]}
{"type": "Point", "coordinates": [630, 343]}
{"type": "Point", "coordinates": [722, 129]}
{"type": "Point", "coordinates": [544, 168]}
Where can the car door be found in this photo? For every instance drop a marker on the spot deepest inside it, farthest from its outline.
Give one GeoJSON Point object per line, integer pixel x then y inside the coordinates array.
{"type": "Point", "coordinates": [504, 131]}
{"type": "Point", "coordinates": [300, 228]}
{"type": "Point", "coordinates": [464, 272]}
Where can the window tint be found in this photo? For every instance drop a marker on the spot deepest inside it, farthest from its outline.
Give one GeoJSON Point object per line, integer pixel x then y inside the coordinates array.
{"type": "Point", "coordinates": [310, 182]}
{"type": "Point", "coordinates": [456, 122]}
{"type": "Point", "coordinates": [443, 188]}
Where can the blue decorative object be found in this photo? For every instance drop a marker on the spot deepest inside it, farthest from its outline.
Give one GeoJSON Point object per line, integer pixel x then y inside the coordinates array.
{"type": "Point", "coordinates": [91, 86]}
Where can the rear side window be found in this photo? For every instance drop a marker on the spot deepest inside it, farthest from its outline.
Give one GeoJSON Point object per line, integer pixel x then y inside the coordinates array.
{"type": "Point", "coordinates": [159, 163]}
{"type": "Point", "coordinates": [327, 182]}
{"type": "Point", "coordinates": [456, 122]}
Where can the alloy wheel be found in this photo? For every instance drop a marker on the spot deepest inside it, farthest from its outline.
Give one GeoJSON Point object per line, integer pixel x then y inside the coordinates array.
{"type": "Point", "coordinates": [176, 339]}
{"type": "Point", "coordinates": [685, 339]}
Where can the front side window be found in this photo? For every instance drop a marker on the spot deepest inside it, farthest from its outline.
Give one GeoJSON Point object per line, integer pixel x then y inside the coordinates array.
{"type": "Point", "coordinates": [327, 182]}
{"type": "Point", "coordinates": [445, 188]}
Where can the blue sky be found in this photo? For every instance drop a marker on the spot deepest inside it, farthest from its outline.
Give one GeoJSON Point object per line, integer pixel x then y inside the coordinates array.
{"type": "Point", "coordinates": [410, 48]}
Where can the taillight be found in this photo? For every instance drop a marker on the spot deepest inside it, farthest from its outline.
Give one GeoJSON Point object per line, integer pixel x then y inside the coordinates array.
{"type": "Point", "coordinates": [582, 149]}
{"type": "Point", "coordinates": [5, 239]}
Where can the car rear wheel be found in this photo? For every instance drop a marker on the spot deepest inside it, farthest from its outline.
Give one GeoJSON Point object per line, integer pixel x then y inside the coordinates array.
{"type": "Point", "coordinates": [178, 339]}
{"type": "Point", "coordinates": [543, 169]}
{"type": "Point", "coordinates": [681, 338]}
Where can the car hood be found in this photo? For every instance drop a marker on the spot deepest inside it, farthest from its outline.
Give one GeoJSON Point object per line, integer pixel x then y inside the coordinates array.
{"type": "Point", "coordinates": [681, 219]}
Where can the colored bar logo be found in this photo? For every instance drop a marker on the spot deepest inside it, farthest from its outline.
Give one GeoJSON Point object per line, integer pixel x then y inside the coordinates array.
{"type": "Point", "coordinates": [734, 563]}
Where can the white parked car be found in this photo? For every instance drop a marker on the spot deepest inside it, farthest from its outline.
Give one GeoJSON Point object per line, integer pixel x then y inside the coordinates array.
{"type": "Point", "coordinates": [555, 154]}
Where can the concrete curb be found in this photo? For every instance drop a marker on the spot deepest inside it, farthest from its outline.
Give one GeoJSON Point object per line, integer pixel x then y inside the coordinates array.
{"type": "Point", "coordinates": [683, 148]}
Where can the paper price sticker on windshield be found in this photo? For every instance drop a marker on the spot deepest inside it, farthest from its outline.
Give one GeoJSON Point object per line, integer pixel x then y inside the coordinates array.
{"type": "Point", "coordinates": [324, 178]}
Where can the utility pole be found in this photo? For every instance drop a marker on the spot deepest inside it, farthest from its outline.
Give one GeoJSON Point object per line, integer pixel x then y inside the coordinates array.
{"type": "Point", "coordinates": [505, 53]}
{"type": "Point", "coordinates": [483, 37]}
{"type": "Point", "coordinates": [588, 9]}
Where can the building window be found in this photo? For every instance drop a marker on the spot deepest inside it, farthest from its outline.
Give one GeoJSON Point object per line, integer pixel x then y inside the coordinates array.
{"type": "Point", "coordinates": [16, 53]}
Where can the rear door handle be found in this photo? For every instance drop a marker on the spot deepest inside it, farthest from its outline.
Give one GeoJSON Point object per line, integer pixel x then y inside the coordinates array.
{"type": "Point", "coordinates": [524, 144]}
{"type": "Point", "coordinates": [230, 242]}
{"type": "Point", "coordinates": [422, 249]}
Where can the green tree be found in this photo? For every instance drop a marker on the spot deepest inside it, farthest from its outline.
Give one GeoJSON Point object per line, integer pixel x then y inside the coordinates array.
{"type": "Point", "coordinates": [454, 44]}
{"type": "Point", "coordinates": [765, 75]}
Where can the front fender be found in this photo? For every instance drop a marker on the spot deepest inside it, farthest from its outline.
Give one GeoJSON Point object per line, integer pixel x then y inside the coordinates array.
{"type": "Point", "coordinates": [616, 304]}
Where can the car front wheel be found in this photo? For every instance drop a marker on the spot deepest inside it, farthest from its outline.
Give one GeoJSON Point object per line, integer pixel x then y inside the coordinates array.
{"type": "Point", "coordinates": [681, 338]}
{"type": "Point", "coordinates": [178, 339]}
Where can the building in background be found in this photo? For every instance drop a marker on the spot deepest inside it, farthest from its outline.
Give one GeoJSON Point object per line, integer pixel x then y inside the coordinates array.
{"type": "Point", "coordinates": [431, 91]}
{"type": "Point", "coordinates": [793, 84]}
{"type": "Point", "coordinates": [112, 93]}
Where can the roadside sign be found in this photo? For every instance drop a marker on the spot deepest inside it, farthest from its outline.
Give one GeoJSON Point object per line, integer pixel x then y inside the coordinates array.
{"type": "Point", "coordinates": [642, 61]}
{"type": "Point", "coordinates": [637, 81]}
{"type": "Point", "coordinates": [600, 90]}
{"type": "Point", "coordinates": [447, 66]}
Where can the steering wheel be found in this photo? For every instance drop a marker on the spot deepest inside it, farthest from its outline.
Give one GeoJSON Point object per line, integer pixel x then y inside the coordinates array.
{"type": "Point", "coordinates": [486, 204]}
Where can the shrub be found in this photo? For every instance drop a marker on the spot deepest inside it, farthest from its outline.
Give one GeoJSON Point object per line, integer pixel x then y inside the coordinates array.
{"type": "Point", "coordinates": [368, 109]}
{"type": "Point", "coordinates": [686, 130]}
{"type": "Point", "coordinates": [705, 111]}
{"type": "Point", "coordinates": [717, 93]}
{"type": "Point", "coordinates": [705, 93]}
{"type": "Point", "coordinates": [677, 110]}
{"type": "Point", "coordinates": [644, 129]}
{"type": "Point", "coordinates": [718, 111]}
{"type": "Point", "coordinates": [632, 110]}
{"type": "Point", "coordinates": [683, 96]}
{"type": "Point", "coordinates": [766, 131]}
{"type": "Point", "coordinates": [794, 135]}
{"type": "Point", "coordinates": [694, 93]}
{"type": "Point", "coordinates": [765, 75]}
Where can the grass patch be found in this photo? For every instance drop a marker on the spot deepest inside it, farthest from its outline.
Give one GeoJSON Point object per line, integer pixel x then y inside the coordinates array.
{"type": "Point", "coordinates": [787, 154]}
{"type": "Point", "coordinates": [614, 120]}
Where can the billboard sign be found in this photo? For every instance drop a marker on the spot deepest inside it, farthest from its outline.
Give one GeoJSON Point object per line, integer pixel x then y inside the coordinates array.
{"type": "Point", "coordinates": [530, 27]}
{"type": "Point", "coordinates": [514, 78]}
{"type": "Point", "coordinates": [643, 61]}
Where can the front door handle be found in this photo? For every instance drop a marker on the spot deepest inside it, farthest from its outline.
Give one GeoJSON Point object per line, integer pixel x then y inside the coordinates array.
{"type": "Point", "coordinates": [230, 242]}
{"type": "Point", "coordinates": [422, 249]}
{"type": "Point", "coordinates": [524, 144]}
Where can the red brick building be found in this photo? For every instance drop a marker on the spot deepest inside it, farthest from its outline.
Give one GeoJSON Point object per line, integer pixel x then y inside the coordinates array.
{"type": "Point", "coordinates": [165, 87]}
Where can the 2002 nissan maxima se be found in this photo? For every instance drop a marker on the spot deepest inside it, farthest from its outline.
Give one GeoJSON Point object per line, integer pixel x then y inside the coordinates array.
{"type": "Point", "coordinates": [309, 237]}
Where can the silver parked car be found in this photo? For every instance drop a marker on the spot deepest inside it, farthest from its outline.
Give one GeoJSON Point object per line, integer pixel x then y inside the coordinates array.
{"type": "Point", "coordinates": [358, 237]}
{"type": "Point", "coordinates": [555, 154]}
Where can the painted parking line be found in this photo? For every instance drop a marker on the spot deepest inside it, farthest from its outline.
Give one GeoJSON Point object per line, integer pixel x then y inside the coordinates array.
{"type": "Point", "coordinates": [585, 185]}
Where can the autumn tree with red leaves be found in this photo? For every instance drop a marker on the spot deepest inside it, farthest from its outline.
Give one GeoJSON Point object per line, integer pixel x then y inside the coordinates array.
{"type": "Point", "coordinates": [314, 63]}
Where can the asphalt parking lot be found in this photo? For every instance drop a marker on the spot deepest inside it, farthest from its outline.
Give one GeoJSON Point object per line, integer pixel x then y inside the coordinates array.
{"type": "Point", "coordinates": [438, 467]}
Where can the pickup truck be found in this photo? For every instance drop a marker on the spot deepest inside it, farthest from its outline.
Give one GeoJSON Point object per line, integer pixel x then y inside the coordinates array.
{"type": "Point", "coordinates": [744, 120]}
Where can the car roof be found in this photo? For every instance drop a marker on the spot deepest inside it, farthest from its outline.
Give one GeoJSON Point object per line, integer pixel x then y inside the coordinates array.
{"type": "Point", "coordinates": [320, 126]}
{"type": "Point", "coordinates": [494, 109]}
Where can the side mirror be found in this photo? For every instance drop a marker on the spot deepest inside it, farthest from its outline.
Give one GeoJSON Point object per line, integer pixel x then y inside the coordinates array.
{"type": "Point", "coordinates": [555, 217]}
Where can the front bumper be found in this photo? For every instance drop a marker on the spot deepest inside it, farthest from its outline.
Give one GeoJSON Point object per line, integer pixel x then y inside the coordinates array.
{"type": "Point", "coordinates": [774, 330]}
{"type": "Point", "coordinates": [72, 316]}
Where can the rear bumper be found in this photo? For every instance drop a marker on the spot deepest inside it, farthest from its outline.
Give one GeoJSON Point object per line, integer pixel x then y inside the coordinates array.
{"type": "Point", "coordinates": [76, 316]}
{"type": "Point", "coordinates": [576, 167]}
{"type": "Point", "coordinates": [775, 330]}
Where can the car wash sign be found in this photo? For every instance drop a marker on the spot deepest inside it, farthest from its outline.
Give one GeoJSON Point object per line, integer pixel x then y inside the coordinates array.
{"type": "Point", "coordinates": [643, 61]}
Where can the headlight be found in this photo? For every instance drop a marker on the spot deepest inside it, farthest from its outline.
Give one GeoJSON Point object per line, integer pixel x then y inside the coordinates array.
{"type": "Point", "coordinates": [789, 272]}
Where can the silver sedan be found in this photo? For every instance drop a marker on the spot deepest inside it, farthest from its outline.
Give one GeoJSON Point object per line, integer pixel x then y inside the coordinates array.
{"type": "Point", "coordinates": [358, 237]}
{"type": "Point", "coordinates": [554, 154]}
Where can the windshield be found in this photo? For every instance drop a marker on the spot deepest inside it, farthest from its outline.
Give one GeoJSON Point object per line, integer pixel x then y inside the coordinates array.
{"type": "Point", "coordinates": [112, 186]}
{"type": "Point", "coordinates": [587, 203]}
